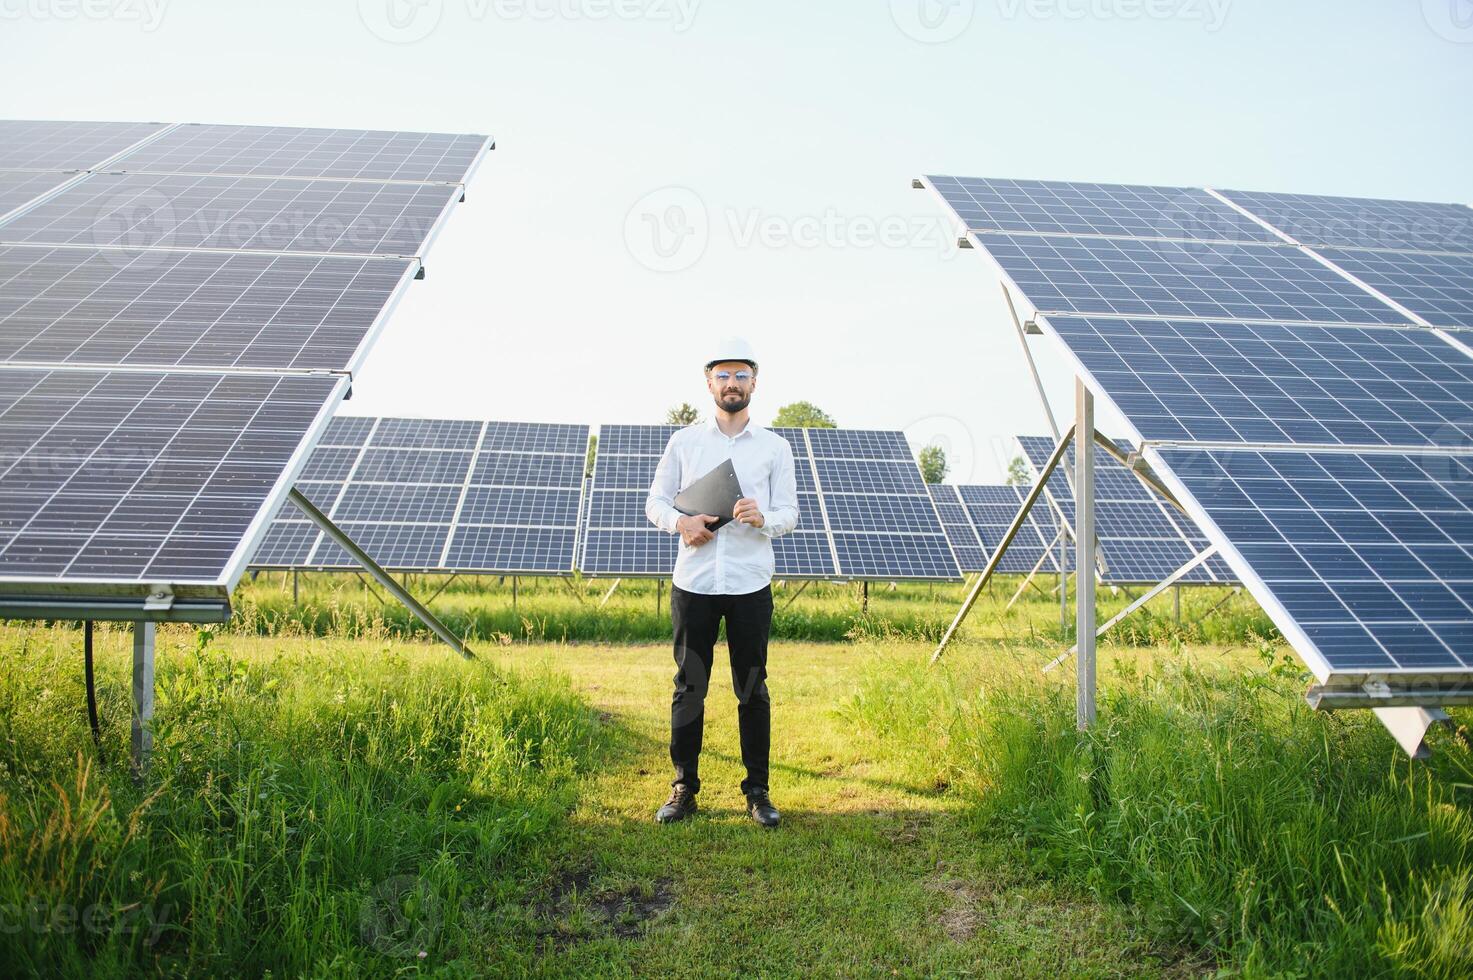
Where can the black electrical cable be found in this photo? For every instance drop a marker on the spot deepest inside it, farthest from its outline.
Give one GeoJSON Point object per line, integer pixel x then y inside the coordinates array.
{"type": "Point", "coordinates": [92, 690]}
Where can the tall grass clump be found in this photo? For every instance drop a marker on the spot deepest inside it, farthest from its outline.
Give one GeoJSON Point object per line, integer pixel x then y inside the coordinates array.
{"type": "Point", "coordinates": [1230, 818]}
{"type": "Point", "coordinates": [332, 808]}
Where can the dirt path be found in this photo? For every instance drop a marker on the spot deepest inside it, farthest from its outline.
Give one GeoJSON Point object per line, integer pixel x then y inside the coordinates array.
{"type": "Point", "coordinates": [868, 876]}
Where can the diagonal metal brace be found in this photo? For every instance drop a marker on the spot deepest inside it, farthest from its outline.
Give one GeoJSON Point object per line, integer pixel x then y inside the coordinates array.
{"type": "Point", "coordinates": [384, 578]}
{"type": "Point", "coordinates": [1007, 539]}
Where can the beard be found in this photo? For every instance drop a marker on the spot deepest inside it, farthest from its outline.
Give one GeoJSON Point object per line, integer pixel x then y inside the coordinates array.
{"type": "Point", "coordinates": [733, 401]}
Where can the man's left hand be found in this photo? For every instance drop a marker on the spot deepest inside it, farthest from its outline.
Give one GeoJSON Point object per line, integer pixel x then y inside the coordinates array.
{"type": "Point", "coordinates": [746, 512]}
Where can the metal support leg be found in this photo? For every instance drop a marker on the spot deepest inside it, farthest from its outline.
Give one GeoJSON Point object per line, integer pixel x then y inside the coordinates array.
{"type": "Point", "coordinates": [384, 578]}
{"type": "Point", "coordinates": [144, 634]}
{"type": "Point", "coordinates": [1007, 539]}
{"type": "Point", "coordinates": [513, 594]}
{"type": "Point", "coordinates": [1063, 581]}
{"type": "Point", "coordinates": [1084, 546]}
{"type": "Point", "coordinates": [1176, 606]}
{"type": "Point", "coordinates": [294, 586]}
{"type": "Point", "coordinates": [795, 595]}
{"type": "Point", "coordinates": [864, 596]}
{"type": "Point", "coordinates": [1409, 726]}
{"type": "Point", "coordinates": [1149, 594]}
{"type": "Point", "coordinates": [442, 588]}
{"type": "Point", "coordinates": [659, 594]}
{"type": "Point", "coordinates": [609, 594]}
{"type": "Point", "coordinates": [1029, 579]}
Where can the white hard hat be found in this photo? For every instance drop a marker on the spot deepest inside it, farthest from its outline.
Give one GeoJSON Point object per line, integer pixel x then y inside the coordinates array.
{"type": "Point", "coordinates": [733, 349]}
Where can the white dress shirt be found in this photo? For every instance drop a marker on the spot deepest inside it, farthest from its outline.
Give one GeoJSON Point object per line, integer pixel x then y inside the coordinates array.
{"type": "Point", "coordinates": [738, 559]}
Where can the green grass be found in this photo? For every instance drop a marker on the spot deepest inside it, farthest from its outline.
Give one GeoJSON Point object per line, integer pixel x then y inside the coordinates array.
{"type": "Point", "coordinates": [1209, 803]}
{"type": "Point", "coordinates": [313, 808]}
{"type": "Point", "coordinates": [573, 611]}
{"type": "Point", "coordinates": [338, 804]}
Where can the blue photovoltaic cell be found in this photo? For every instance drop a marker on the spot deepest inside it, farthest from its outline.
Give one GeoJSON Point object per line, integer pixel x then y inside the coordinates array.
{"type": "Point", "coordinates": [869, 477]}
{"type": "Point", "coordinates": [1312, 219]}
{"type": "Point", "coordinates": [1187, 380]}
{"type": "Point", "coordinates": [629, 552]}
{"type": "Point", "coordinates": [858, 444]}
{"type": "Point", "coordinates": [895, 555]}
{"type": "Point", "coordinates": [854, 512]}
{"type": "Point", "coordinates": [991, 510]}
{"type": "Point", "coordinates": [196, 309]}
{"type": "Point", "coordinates": [1191, 280]}
{"type": "Point", "coordinates": [141, 476]}
{"type": "Point", "coordinates": [803, 554]}
{"type": "Point", "coordinates": [796, 440]}
{"type": "Point", "coordinates": [1068, 208]}
{"type": "Point", "coordinates": [1141, 540]}
{"type": "Point", "coordinates": [285, 151]}
{"type": "Point", "coordinates": [1438, 288]}
{"type": "Point", "coordinates": [20, 186]}
{"type": "Point", "coordinates": [427, 434]}
{"type": "Point", "coordinates": [39, 144]}
{"type": "Point", "coordinates": [513, 512]}
{"type": "Point", "coordinates": [624, 472]}
{"type": "Point", "coordinates": [638, 440]}
{"type": "Point", "coordinates": [141, 211]}
{"type": "Point", "coordinates": [1371, 555]}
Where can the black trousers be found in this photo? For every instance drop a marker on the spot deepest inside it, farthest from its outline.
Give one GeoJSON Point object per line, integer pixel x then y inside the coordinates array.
{"type": "Point", "coordinates": [696, 618]}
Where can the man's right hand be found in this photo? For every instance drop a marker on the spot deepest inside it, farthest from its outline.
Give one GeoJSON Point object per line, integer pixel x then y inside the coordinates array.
{"type": "Point", "coordinates": [693, 530]}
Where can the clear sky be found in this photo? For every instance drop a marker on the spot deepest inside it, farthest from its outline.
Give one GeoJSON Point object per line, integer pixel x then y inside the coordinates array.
{"type": "Point", "coordinates": [770, 146]}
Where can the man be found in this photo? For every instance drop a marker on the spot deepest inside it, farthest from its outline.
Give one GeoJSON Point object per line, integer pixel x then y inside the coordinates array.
{"type": "Point", "coordinates": [724, 574]}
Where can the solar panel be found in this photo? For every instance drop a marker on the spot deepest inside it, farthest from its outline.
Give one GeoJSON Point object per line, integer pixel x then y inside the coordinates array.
{"type": "Point", "coordinates": [1142, 542]}
{"type": "Point", "coordinates": [1327, 462]}
{"type": "Point", "coordinates": [36, 144]}
{"type": "Point", "coordinates": [863, 510]}
{"type": "Point", "coordinates": [142, 476]}
{"type": "Point", "coordinates": [1132, 277]}
{"type": "Point", "coordinates": [434, 495]}
{"type": "Point", "coordinates": [1438, 288]}
{"type": "Point", "coordinates": [18, 187]}
{"type": "Point", "coordinates": [1049, 207]}
{"type": "Point", "coordinates": [1191, 380]}
{"type": "Point", "coordinates": [280, 151]}
{"type": "Point", "coordinates": [991, 510]}
{"type": "Point", "coordinates": [1312, 219]}
{"type": "Point", "coordinates": [1371, 555]}
{"type": "Point", "coordinates": [196, 309]}
{"type": "Point", "coordinates": [140, 211]}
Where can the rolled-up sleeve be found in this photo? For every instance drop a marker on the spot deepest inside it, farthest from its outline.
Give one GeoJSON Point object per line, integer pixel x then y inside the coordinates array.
{"type": "Point", "coordinates": [659, 506]}
{"type": "Point", "coordinates": [781, 515]}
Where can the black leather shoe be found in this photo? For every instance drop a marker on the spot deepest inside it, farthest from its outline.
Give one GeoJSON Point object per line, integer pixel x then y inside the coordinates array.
{"type": "Point", "coordinates": [682, 803]}
{"type": "Point", "coordinates": [760, 808]}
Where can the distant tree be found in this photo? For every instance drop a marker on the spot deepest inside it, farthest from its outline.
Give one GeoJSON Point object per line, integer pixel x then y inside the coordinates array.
{"type": "Point", "coordinates": [683, 414]}
{"type": "Point", "coordinates": [592, 451]}
{"type": "Point", "coordinates": [933, 464]}
{"type": "Point", "coordinates": [1018, 472]}
{"type": "Point", "coordinates": [803, 415]}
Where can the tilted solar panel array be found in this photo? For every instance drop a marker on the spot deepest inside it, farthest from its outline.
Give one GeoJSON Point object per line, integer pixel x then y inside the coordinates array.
{"type": "Point", "coordinates": [864, 511]}
{"type": "Point", "coordinates": [171, 345]}
{"type": "Point", "coordinates": [1301, 382]}
{"type": "Point", "coordinates": [1143, 538]}
{"type": "Point", "coordinates": [439, 495]}
{"type": "Point", "coordinates": [976, 516]}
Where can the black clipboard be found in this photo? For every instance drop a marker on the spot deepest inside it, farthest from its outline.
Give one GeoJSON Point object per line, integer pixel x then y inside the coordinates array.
{"type": "Point", "coordinates": [716, 494]}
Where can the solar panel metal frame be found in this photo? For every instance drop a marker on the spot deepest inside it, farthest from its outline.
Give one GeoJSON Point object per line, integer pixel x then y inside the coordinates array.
{"type": "Point", "coordinates": [1321, 667]}
{"type": "Point", "coordinates": [321, 548]}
